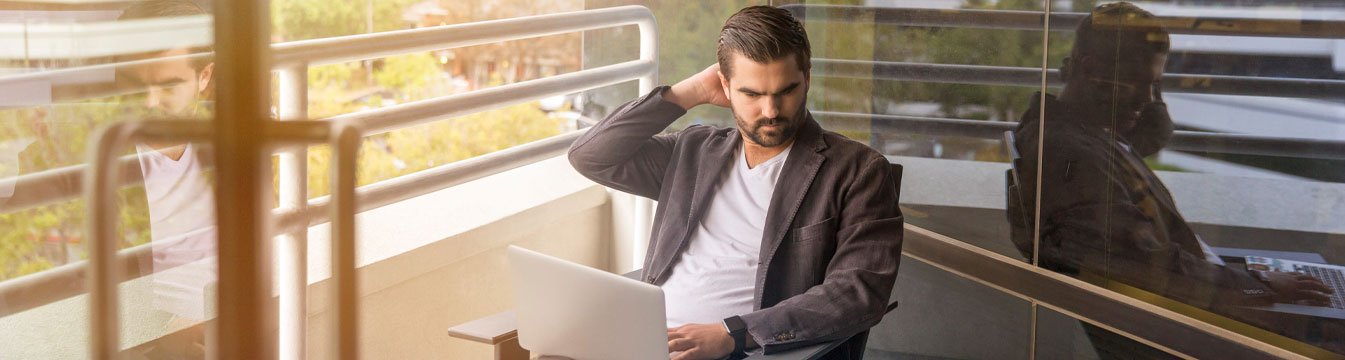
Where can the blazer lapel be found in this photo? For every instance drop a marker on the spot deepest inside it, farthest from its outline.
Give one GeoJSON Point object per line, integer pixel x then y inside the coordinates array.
{"type": "Point", "coordinates": [800, 168]}
{"type": "Point", "coordinates": [719, 153]}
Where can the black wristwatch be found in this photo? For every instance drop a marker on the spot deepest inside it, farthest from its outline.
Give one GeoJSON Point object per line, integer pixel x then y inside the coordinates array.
{"type": "Point", "coordinates": [738, 330]}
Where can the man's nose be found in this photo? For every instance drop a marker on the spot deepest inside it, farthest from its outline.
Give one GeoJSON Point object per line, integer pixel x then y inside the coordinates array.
{"type": "Point", "coordinates": [153, 98]}
{"type": "Point", "coordinates": [770, 107]}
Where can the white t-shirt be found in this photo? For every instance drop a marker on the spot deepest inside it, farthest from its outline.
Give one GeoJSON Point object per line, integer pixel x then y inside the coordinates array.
{"type": "Point", "coordinates": [182, 229]}
{"type": "Point", "coordinates": [715, 276]}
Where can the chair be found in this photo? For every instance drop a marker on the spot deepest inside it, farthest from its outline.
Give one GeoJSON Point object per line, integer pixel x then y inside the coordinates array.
{"type": "Point", "coordinates": [1014, 204]}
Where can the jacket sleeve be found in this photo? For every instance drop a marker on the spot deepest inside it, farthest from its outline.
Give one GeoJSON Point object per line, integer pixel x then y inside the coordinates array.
{"type": "Point", "coordinates": [625, 151]}
{"type": "Point", "coordinates": [854, 294]}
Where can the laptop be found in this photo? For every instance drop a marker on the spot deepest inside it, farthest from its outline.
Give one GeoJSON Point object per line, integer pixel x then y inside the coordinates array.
{"type": "Point", "coordinates": [1331, 275]}
{"type": "Point", "coordinates": [571, 310]}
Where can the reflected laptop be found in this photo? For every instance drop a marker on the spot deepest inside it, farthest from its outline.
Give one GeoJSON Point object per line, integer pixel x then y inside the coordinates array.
{"type": "Point", "coordinates": [579, 312]}
{"type": "Point", "coordinates": [1331, 275]}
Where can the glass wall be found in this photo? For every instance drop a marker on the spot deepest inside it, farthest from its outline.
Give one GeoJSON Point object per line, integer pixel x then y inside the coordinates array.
{"type": "Point", "coordinates": [1165, 175]}
{"type": "Point", "coordinates": [1187, 155]}
{"type": "Point", "coordinates": [67, 70]}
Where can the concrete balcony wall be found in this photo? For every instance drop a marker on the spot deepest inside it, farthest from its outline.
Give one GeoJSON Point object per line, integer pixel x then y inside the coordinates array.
{"type": "Point", "coordinates": [425, 264]}
{"type": "Point", "coordinates": [439, 260]}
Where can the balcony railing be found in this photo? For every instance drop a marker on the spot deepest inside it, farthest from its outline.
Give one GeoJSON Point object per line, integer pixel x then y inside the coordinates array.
{"type": "Point", "coordinates": [297, 212]}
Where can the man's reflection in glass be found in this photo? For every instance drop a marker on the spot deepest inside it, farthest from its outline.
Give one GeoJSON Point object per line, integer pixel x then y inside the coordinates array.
{"type": "Point", "coordinates": [178, 191]}
{"type": "Point", "coordinates": [1104, 213]}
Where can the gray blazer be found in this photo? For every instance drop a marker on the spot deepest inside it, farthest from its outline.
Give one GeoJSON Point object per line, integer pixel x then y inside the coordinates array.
{"type": "Point", "coordinates": [830, 251]}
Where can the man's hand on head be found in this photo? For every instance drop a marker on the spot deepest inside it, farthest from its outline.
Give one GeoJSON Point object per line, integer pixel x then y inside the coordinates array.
{"type": "Point", "coordinates": [702, 88]}
{"type": "Point", "coordinates": [700, 341]}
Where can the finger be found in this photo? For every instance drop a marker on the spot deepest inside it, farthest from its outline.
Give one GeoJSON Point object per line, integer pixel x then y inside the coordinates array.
{"type": "Point", "coordinates": [1314, 284]}
{"type": "Point", "coordinates": [681, 344]}
{"type": "Point", "coordinates": [1313, 296]}
{"type": "Point", "coordinates": [674, 335]}
{"type": "Point", "coordinates": [688, 355]}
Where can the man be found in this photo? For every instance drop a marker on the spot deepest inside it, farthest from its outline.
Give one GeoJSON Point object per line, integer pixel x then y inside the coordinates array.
{"type": "Point", "coordinates": [1104, 213]}
{"type": "Point", "coordinates": [178, 192]}
{"type": "Point", "coordinates": [774, 234]}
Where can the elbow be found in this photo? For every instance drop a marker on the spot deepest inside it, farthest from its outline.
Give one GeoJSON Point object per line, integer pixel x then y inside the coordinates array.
{"type": "Point", "coordinates": [579, 159]}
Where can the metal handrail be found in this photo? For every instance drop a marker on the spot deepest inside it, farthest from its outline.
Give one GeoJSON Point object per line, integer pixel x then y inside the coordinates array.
{"type": "Point", "coordinates": [1090, 303]}
{"type": "Point", "coordinates": [356, 47]}
{"type": "Point", "coordinates": [292, 60]}
{"type": "Point", "coordinates": [1062, 21]}
{"type": "Point", "coordinates": [1181, 140]}
{"type": "Point", "coordinates": [390, 191]}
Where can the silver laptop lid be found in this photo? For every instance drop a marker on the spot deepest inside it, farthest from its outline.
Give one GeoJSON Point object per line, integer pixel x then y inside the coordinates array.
{"type": "Point", "coordinates": [579, 312]}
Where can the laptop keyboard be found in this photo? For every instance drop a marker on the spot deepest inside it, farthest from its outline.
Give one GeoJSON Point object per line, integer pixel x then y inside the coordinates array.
{"type": "Point", "coordinates": [1333, 278]}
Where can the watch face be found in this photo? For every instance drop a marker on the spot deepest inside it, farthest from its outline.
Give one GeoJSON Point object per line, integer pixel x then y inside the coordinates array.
{"type": "Point", "coordinates": [735, 324]}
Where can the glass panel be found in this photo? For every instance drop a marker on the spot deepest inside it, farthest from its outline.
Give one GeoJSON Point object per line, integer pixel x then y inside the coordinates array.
{"type": "Point", "coordinates": [1166, 182]}
{"type": "Point", "coordinates": [928, 85]}
{"type": "Point", "coordinates": [946, 316]}
{"type": "Point", "coordinates": [950, 177]}
{"type": "Point", "coordinates": [1060, 336]}
{"type": "Point", "coordinates": [688, 34]}
{"type": "Point", "coordinates": [357, 86]}
{"type": "Point", "coordinates": [67, 71]}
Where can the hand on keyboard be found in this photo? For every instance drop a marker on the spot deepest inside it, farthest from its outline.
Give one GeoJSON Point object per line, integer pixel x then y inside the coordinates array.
{"type": "Point", "coordinates": [1293, 287]}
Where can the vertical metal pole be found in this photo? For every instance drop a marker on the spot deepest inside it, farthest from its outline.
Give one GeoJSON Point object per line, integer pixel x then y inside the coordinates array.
{"type": "Point", "coordinates": [99, 186]}
{"type": "Point", "coordinates": [1041, 141]}
{"type": "Point", "coordinates": [642, 220]}
{"type": "Point", "coordinates": [293, 247]}
{"type": "Point", "coordinates": [649, 51]}
{"type": "Point", "coordinates": [345, 143]}
{"type": "Point", "coordinates": [242, 39]}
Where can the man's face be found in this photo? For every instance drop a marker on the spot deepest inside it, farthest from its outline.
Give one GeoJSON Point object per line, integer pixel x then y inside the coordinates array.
{"type": "Point", "coordinates": [169, 88]}
{"type": "Point", "coordinates": [1128, 88]}
{"type": "Point", "coordinates": [767, 99]}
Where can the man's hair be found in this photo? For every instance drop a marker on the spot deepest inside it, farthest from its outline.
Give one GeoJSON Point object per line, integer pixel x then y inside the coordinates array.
{"type": "Point", "coordinates": [763, 34]}
{"type": "Point", "coordinates": [1120, 31]}
{"type": "Point", "coordinates": [149, 9]}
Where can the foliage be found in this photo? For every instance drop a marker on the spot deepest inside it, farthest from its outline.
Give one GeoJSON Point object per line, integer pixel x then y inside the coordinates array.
{"type": "Point", "coordinates": [30, 240]}
{"type": "Point", "coordinates": [407, 74]}
{"type": "Point", "coordinates": [418, 148]}
{"type": "Point", "coordinates": [313, 19]}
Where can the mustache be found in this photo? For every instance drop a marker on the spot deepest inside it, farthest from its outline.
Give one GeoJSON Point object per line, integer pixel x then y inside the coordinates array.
{"type": "Point", "coordinates": [775, 121]}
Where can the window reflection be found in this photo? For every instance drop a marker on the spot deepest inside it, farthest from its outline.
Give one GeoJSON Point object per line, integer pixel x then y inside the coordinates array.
{"type": "Point", "coordinates": [1106, 215]}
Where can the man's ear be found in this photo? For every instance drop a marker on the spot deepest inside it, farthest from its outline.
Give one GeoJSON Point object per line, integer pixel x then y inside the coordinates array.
{"type": "Point", "coordinates": [724, 83]}
{"type": "Point", "coordinates": [807, 80]}
{"type": "Point", "coordinates": [1066, 69]}
{"type": "Point", "coordinates": [204, 76]}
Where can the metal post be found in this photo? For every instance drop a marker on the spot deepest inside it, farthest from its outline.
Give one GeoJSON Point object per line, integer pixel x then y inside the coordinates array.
{"type": "Point", "coordinates": [345, 146]}
{"type": "Point", "coordinates": [1041, 131]}
{"type": "Point", "coordinates": [104, 324]}
{"type": "Point", "coordinates": [242, 39]}
{"type": "Point", "coordinates": [102, 222]}
{"type": "Point", "coordinates": [642, 220]}
{"type": "Point", "coordinates": [292, 247]}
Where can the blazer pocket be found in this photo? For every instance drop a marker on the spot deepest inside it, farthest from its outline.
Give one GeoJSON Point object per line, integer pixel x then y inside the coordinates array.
{"type": "Point", "coordinates": [815, 232]}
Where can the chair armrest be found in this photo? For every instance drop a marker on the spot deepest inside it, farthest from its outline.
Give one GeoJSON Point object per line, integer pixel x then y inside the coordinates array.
{"type": "Point", "coordinates": [498, 328]}
{"type": "Point", "coordinates": [491, 330]}
{"type": "Point", "coordinates": [803, 353]}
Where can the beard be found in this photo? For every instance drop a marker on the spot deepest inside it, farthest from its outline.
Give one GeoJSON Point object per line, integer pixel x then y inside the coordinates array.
{"type": "Point", "coordinates": [781, 128]}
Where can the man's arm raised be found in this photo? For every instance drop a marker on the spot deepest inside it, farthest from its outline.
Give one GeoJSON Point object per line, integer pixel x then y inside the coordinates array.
{"type": "Point", "coordinates": [625, 150]}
